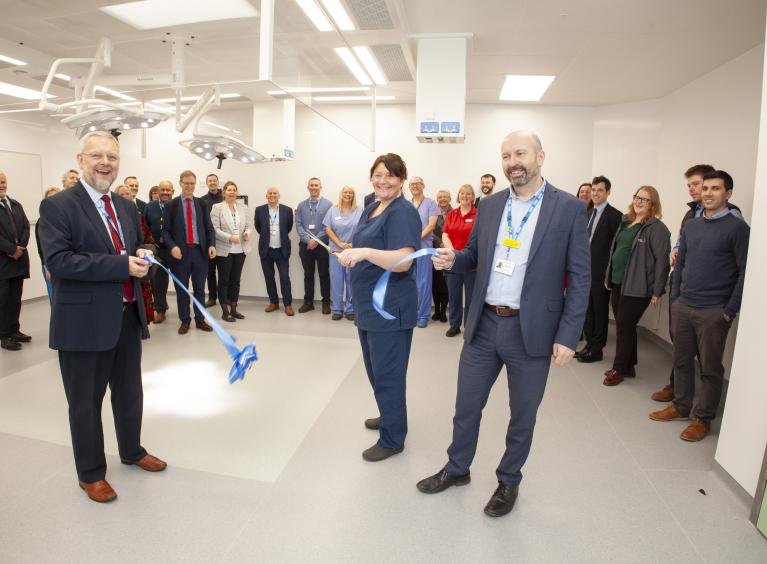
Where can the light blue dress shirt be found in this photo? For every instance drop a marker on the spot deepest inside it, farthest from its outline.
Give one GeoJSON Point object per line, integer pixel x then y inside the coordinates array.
{"type": "Point", "coordinates": [598, 211]}
{"type": "Point", "coordinates": [502, 289]}
{"type": "Point", "coordinates": [309, 216]}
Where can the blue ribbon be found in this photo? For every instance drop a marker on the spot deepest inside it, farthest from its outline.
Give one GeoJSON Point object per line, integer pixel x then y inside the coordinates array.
{"type": "Point", "coordinates": [243, 358]}
{"type": "Point", "coordinates": [379, 292]}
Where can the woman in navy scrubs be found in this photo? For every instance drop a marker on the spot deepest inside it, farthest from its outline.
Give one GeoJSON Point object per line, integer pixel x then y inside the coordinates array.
{"type": "Point", "coordinates": [388, 231]}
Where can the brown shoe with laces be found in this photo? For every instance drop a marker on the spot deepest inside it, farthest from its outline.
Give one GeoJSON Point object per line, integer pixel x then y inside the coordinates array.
{"type": "Point", "coordinates": [666, 394]}
{"type": "Point", "coordinates": [695, 431]}
{"type": "Point", "coordinates": [99, 491]}
{"type": "Point", "coordinates": [668, 413]}
{"type": "Point", "coordinates": [149, 463]}
{"type": "Point", "coordinates": [271, 307]}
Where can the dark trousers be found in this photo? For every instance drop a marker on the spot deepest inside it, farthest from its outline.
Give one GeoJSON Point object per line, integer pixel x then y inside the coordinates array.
{"type": "Point", "coordinates": [597, 314]}
{"type": "Point", "coordinates": [10, 305]}
{"type": "Point", "coordinates": [702, 332]}
{"type": "Point", "coordinates": [160, 281]}
{"type": "Point", "coordinates": [627, 311]}
{"type": "Point", "coordinates": [497, 342]}
{"type": "Point", "coordinates": [275, 257]}
{"type": "Point", "coordinates": [229, 274]}
{"type": "Point", "coordinates": [386, 356]}
{"type": "Point", "coordinates": [212, 285]}
{"type": "Point", "coordinates": [308, 257]}
{"type": "Point", "coordinates": [193, 264]}
{"type": "Point", "coordinates": [456, 285]}
{"type": "Point", "coordinates": [439, 291]}
{"type": "Point", "coordinates": [86, 376]}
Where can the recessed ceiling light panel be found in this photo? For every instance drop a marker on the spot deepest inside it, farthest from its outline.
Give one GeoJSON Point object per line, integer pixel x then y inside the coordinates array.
{"type": "Point", "coordinates": [153, 14]}
{"type": "Point", "coordinates": [525, 87]}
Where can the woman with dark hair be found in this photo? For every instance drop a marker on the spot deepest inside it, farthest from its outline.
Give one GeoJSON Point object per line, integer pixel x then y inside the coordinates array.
{"type": "Point", "coordinates": [584, 193]}
{"type": "Point", "coordinates": [636, 274]}
{"type": "Point", "coordinates": [154, 193]}
{"type": "Point", "coordinates": [388, 231]}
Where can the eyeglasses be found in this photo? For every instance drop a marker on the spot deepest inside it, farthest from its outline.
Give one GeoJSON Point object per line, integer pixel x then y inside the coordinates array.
{"type": "Point", "coordinates": [111, 157]}
{"type": "Point", "coordinates": [193, 183]}
{"type": "Point", "coordinates": [641, 200]}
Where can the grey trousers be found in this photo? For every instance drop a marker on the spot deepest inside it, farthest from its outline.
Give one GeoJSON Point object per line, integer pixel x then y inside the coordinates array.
{"type": "Point", "coordinates": [701, 331]}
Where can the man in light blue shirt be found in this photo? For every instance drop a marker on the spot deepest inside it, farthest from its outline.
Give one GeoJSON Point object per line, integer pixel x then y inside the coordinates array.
{"type": "Point", "coordinates": [309, 215]}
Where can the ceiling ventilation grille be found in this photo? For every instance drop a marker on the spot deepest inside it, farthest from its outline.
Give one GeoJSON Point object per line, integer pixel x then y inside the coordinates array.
{"type": "Point", "coordinates": [371, 14]}
{"type": "Point", "coordinates": [392, 62]}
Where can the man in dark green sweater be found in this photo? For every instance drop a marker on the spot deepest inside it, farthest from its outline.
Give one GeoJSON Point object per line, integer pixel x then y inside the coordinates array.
{"type": "Point", "coordinates": [706, 292]}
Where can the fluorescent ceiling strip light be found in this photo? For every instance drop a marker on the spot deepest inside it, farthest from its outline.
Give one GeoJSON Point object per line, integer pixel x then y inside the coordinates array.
{"type": "Point", "coordinates": [192, 99]}
{"type": "Point", "coordinates": [310, 90]}
{"type": "Point", "coordinates": [12, 61]}
{"type": "Point", "coordinates": [351, 98]}
{"type": "Point", "coordinates": [525, 87]}
{"type": "Point", "coordinates": [62, 76]}
{"type": "Point", "coordinates": [222, 127]}
{"type": "Point", "coordinates": [153, 14]}
{"type": "Point", "coordinates": [314, 13]}
{"type": "Point", "coordinates": [337, 12]}
{"type": "Point", "coordinates": [21, 92]}
{"type": "Point", "coordinates": [354, 66]}
{"type": "Point", "coordinates": [374, 71]}
{"type": "Point", "coordinates": [114, 93]}
{"type": "Point", "coordinates": [19, 111]}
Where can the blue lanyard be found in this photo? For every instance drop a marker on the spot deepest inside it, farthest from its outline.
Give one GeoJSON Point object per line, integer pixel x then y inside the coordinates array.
{"type": "Point", "coordinates": [118, 228]}
{"type": "Point", "coordinates": [514, 235]}
{"type": "Point", "coordinates": [273, 218]}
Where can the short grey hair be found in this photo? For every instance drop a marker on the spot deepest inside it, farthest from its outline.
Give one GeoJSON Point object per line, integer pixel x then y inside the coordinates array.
{"type": "Point", "coordinates": [102, 134]}
{"type": "Point", "coordinates": [67, 173]}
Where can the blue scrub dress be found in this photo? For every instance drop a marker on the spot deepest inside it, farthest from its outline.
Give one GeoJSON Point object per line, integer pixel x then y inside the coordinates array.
{"type": "Point", "coordinates": [386, 343]}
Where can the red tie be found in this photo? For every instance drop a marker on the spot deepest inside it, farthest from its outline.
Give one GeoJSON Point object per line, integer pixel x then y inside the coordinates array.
{"type": "Point", "coordinates": [189, 219]}
{"type": "Point", "coordinates": [128, 284]}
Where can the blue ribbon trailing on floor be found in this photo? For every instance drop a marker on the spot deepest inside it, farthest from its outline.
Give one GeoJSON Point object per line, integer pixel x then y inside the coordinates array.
{"type": "Point", "coordinates": [379, 292]}
{"type": "Point", "coordinates": [243, 358]}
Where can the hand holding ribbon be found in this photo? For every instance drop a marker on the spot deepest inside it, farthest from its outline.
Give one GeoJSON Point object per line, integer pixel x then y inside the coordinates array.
{"type": "Point", "coordinates": [243, 358]}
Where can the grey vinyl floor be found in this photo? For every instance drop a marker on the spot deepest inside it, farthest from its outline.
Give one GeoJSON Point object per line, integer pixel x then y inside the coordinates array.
{"type": "Point", "coordinates": [269, 469]}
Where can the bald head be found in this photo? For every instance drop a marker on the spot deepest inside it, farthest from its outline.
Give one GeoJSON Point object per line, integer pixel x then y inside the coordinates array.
{"type": "Point", "coordinates": [524, 136]}
{"type": "Point", "coordinates": [164, 190]}
{"type": "Point", "coordinates": [522, 157]}
{"type": "Point", "coordinates": [272, 196]}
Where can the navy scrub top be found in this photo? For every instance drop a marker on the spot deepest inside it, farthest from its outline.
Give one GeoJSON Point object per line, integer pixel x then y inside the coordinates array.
{"type": "Point", "coordinates": [398, 226]}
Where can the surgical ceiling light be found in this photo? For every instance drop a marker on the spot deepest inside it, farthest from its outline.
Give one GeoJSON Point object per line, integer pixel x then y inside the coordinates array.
{"type": "Point", "coordinates": [351, 98]}
{"type": "Point", "coordinates": [21, 92]}
{"type": "Point", "coordinates": [221, 147]}
{"type": "Point", "coordinates": [153, 14]}
{"type": "Point", "coordinates": [12, 61]}
{"type": "Point", "coordinates": [112, 119]}
{"type": "Point", "coordinates": [525, 87]}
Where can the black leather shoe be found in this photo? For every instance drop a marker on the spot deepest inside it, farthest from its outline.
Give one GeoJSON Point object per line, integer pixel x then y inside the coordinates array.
{"type": "Point", "coordinates": [211, 302]}
{"type": "Point", "coordinates": [10, 345]}
{"type": "Point", "coordinates": [585, 351]}
{"type": "Point", "coordinates": [307, 306]}
{"type": "Point", "coordinates": [591, 356]}
{"type": "Point", "coordinates": [453, 331]}
{"type": "Point", "coordinates": [373, 423]}
{"type": "Point", "coordinates": [183, 328]}
{"type": "Point", "coordinates": [435, 317]}
{"type": "Point", "coordinates": [443, 317]}
{"type": "Point", "coordinates": [502, 500]}
{"type": "Point", "coordinates": [441, 481]}
{"type": "Point", "coordinates": [20, 337]}
{"type": "Point", "coordinates": [377, 453]}
{"type": "Point", "coordinates": [203, 326]}
{"type": "Point", "coordinates": [336, 317]}
{"type": "Point", "coordinates": [349, 316]}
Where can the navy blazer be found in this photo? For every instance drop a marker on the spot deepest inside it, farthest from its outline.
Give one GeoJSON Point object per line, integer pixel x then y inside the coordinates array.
{"type": "Point", "coordinates": [601, 242]}
{"type": "Point", "coordinates": [86, 273]}
{"type": "Point", "coordinates": [262, 226]}
{"type": "Point", "coordinates": [12, 268]}
{"type": "Point", "coordinates": [560, 247]}
{"type": "Point", "coordinates": [174, 228]}
{"type": "Point", "coordinates": [153, 216]}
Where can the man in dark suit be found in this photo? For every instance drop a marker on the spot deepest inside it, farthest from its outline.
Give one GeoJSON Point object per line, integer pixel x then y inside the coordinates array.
{"type": "Point", "coordinates": [155, 217]}
{"type": "Point", "coordinates": [523, 244]}
{"type": "Point", "coordinates": [214, 196]}
{"type": "Point", "coordinates": [91, 241]}
{"type": "Point", "coordinates": [273, 222]}
{"type": "Point", "coordinates": [188, 233]}
{"type": "Point", "coordinates": [132, 183]}
{"type": "Point", "coordinates": [603, 224]}
{"type": "Point", "coordinates": [14, 267]}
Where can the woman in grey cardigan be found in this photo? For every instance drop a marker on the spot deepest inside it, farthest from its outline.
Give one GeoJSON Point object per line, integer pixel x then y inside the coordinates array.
{"type": "Point", "coordinates": [636, 274]}
{"type": "Point", "coordinates": [231, 222]}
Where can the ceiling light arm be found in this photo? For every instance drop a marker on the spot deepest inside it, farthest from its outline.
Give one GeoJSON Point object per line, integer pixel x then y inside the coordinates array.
{"type": "Point", "coordinates": [210, 98]}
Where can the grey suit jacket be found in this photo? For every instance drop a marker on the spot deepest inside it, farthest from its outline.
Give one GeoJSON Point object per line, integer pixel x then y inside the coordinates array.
{"type": "Point", "coordinates": [221, 218]}
{"type": "Point", "coordinates": [560, 251]}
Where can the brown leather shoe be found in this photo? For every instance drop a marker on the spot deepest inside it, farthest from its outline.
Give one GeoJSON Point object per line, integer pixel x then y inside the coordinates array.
{"type": "Point", "coordinates": [99, 491]}
{"type": "Point", "coordinates": [289, 311]}
{"type": "Point", "coordinates": [666, 394]}
{"type": "Point", "coordinates": [184, 328]}
{"type": "Point", "coordinates": [271, 307]}
{"type": "Point", "coordinates": [695, 431]}
{"type": "Point", "coordinates": [669, 413]}
{"type": "Point", "coordinates": [149, 463]}
{"type": "Point", "coordinates": [325, 309]}
{"type": "Point", "coordinates": [159, 316]}
{"type": "Point", "coordinates": [613, 378]}
{"type": "Point", "coordinates": [203, 326]}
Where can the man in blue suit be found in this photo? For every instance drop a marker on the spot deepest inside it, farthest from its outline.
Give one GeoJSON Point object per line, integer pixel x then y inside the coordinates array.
{"type": "Point", "coordinates": [188, 233]}
{"type": "Point", "coordinates": [273, 222]}
{"type": "Point", "coordinates": [91, 239]}
{"type": "Point", "coordinates": [527, 239]}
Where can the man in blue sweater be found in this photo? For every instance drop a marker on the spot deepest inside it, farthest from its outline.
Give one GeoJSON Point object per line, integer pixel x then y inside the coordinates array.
{"type": "Point", "coordinates": [706, 292]}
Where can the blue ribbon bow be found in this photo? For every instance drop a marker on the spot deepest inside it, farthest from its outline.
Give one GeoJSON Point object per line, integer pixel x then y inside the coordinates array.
{"type": "Point", "coordinates": [379, 292]}
{"type": "Point", "coordinates": [243, 358]}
